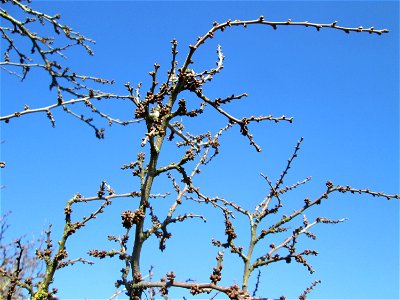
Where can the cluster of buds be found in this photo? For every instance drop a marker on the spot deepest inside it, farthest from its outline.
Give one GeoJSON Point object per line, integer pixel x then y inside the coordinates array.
{"type": "Point", "coordinates": [276, 257]}
{"type": "Point", "coordinates": [235, 249]}
{"type": "Point", "coordinates": [129, 218]}
{"type": "Point", "coordinates": [163, 237]}
{"type": "Point", "coordinates": [310, 235]}
{"type": "Point", "coordinates": [100, 133]}
{"type": "Point", "coordinates": [229, 230]}
{"type": "Point", "coordinates": [99, 254]}
{"type": "Point", "coordinates": [190, 153]}
{"type": "Point", "coordinates": [273, 210]}
{"type": "Point", "coordinates": [43, 254]}
{"type": "Point", "coordinates": [118, 283]}
{"type": "Point", "coordinates": [190, 81]}
{"type": "Point", "coordinates": [73, 227]}
{"type": "Point", "coordinates": [195, 290]}
{"type": "Point", "coordinates": [140, 112]}
{"type": "Point", "coordinates": [327, 221]}
{"type": "Point", "coordinates": [60, 255]}
{"type": "Point", "coordinates": [51, 118]}
{"type": "Point", "coordinates": [171, 276]}
{"type": "Point", "coordinates": [216, 275]}
{"type": "Point", "coordinates": [310, 252]}
{"type": "Point", "coordinates": [329, 184]}
{"type": "Point", "coordinates": [235, 293]}
{"type": "Point", "coordinates": [182, 110]}
{"type": "Point", "coordinates": [297, 230]}
{"type": "Point", "coordinates": [68, 210]}
{"type": "Point", "coordinates": [137, 276]}
{"type": "Point", "coordinates": [300, 259]}
{"type": "Point", "coordinates": [216, 243]}
{"type": "Point", "coordinates": [164, 290]}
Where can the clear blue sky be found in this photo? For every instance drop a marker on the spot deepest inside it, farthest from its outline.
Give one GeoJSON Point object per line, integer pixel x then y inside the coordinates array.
{"type": "Point", "coordinates": [342, 90]}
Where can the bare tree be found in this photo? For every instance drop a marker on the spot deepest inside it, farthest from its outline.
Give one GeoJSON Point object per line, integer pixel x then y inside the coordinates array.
{"type": "Point", "coordinates": [19, 267]}
{"type": "Point", "coordinates": [163, 113]}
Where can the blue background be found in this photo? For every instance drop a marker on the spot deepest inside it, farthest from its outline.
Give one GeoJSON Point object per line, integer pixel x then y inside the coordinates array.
{"type": "Point", "coordinates": [342, 91]}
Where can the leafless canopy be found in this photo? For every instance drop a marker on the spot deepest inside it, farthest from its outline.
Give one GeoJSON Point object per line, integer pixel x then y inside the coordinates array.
{"type": "Point", "coordinates": [163, 112]}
